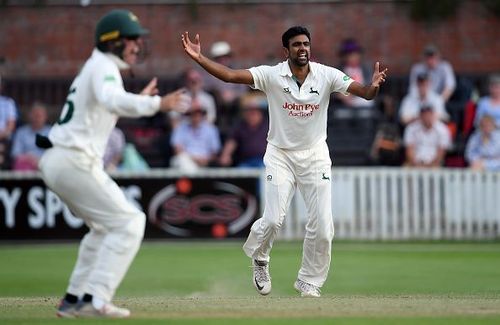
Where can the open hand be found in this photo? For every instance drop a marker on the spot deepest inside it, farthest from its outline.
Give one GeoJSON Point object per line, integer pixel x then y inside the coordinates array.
{"type": "Point", "coordinates": [193, 49]}
{"type": "Point", "coordinates": [378, 76]}
{"type": "Point", "coordinates": [178, 101]}
{"type": "Point", "coordinates": [151, 89]}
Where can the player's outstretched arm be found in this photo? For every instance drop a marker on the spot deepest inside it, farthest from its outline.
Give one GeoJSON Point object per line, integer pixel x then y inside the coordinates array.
{"type": "Point", "coordinates": [369, 92]}
{"type": "Point", "coordinates": [193, 49]}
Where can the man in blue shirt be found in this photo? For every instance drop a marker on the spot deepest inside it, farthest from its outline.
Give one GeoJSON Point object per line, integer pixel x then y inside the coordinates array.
{"type": "Point", "coordinates": [490, 105]}
{"type": "Point", "coordinates": [8, 118]}
{"type": "Point", "coordinates": [195, 141]}
{"type": "Point", "coordinates": [483, 148]}
{"type": "Point", "coordinates": [25, 154]}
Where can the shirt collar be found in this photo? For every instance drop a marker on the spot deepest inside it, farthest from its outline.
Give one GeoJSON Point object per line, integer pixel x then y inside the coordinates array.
{"type": "Point", "coordinates": [286, 71]}
{"type": "Point", "coordinates": [122, 65]}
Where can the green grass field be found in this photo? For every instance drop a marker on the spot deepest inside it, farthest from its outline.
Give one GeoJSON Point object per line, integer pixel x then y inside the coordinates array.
{"type": "Point", "coordinates": [210, 283]}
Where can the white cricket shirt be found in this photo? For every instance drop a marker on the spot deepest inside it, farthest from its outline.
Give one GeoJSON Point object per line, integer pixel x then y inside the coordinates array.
{"type": "Point", "coordinates": [95, 101]}
{"type": "Point", "coordinates": [298, 116]}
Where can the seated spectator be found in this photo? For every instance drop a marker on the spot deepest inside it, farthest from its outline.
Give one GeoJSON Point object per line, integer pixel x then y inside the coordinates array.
{"type": "Point", "coordinates": [442, 78]}
{"type": "Point", "coordinates": [8, 118]}
{"type": "Point", "coordinates": [195, 141]}
{"type": "Point", "coordinates": [426, 140]}
{"type": "Point", "coordinates": [25, 154]}
{"type": "Point", "coordinates": [247, 143]}
{"type": "Point", "coordinates": [386, 148]}
{"type": "Point", "coordinates": [113, 154]}
{"type": "Point", "coordinates": [483, 148]}
{"type": "Point", "coordinates": [417, 97]}
{"type": "Point", "coordinates": [490, 105]}
{"type": "Point", "coordinates": [352, 64]}
{"type": "Point", "coordinates": [193, 81]}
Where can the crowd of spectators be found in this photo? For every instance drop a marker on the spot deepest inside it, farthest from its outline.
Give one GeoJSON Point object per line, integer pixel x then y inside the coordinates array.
{"type": "Point", "coordinates": [227, 124]}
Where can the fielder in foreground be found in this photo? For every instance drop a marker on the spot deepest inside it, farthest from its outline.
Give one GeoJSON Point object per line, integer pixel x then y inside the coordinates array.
{"type": "Point", "coordinates": [72, 165]}
{"type": "Point", "coordinates": [298, 92]}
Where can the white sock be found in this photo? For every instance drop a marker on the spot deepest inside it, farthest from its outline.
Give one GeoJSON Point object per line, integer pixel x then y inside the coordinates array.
{"type": "Point", "coordinates": [98, 303]}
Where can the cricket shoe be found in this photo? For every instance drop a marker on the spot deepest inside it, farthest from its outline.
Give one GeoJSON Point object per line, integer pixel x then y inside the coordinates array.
{"type": "Point", "coordinates": [306, 289]}
{"type": "Point", "coordinates": [108, 310]}
{"type": "Point", "coordinates": [66, 309]}
{"type": "Point", "coordinates": [261, 277]}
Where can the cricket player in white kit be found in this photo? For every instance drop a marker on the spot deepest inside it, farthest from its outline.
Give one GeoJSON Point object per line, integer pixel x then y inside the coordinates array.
{"type": "Point", "coordinates": [72, 167]}
{"type": "Point", "coordinates": [298, 93]}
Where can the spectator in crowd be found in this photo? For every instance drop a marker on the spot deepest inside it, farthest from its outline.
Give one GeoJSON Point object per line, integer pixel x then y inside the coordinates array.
{"type": "Point", "coordinates": [426, 140]}
{"type": "Point", "coordinates": [442, 78]}
{"type": "Point", "coordinates": [226, 93]}
{"type": "Point", "coordinates": [193, 81]}
{"type": "Point", "coordinates": [195, 141]}
{"type": "Point", "coordinates": [113, 154]}
{"type": "Point", "coordinates": [417, 97]}
{"type": "Point", "coordinates": [247, 143]}
{"type": "Point", "coordinates": [483, 148]}
{"type": "Point", "coordinates": [25, 154]}
{"type": "Point", "coordinates": [351, 56]}
{"type": "Point", "coordinates": [386, 148]}
{"type": "Point", "coordinates": [8, 118]}
{"type": "Point", "coordinates": [490, 105]}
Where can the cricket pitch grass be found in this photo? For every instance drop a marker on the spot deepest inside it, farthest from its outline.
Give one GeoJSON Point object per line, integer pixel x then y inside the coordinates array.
{"type": "Point", "coordinates": [210, 283]}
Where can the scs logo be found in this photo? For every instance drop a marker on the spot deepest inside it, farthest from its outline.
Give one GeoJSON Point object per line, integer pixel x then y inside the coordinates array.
{"type": "Point", "coordinates": [219, 210]}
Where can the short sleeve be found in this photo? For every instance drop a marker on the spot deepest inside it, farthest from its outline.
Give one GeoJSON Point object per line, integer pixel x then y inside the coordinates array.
{"type": "Point", "coordinates": [450, 80]}
{"type": "Point", "coordinates": [409, 137]}
{"type": "Point", "coordinates": [260, 76]}
{"type": "Point", "coordinates": [10, 109]}
{"type": "Point", "coordinates": [176, 137]}
{"type": "Point", "coordinates": [339, 81]}
{"type": "Point", "coordinates": [445, 138]}
{"type": "Point", "coordinates": [480, 111]}
{"type": "Point", "coordinates": [215, 140]}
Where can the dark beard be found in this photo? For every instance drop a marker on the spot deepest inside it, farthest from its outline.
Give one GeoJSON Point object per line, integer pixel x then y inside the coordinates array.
{"type": "Point", "coordinates": [298, 63]}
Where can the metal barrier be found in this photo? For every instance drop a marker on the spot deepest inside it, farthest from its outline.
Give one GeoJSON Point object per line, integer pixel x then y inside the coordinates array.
{"type": "Point", "coordinates": [402, 204]}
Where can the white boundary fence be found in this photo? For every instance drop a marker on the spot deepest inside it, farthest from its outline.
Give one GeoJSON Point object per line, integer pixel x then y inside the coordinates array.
{"type": "Point", "coordinates": [399, 203]}
{"type": "Point", "coordinates": [385, 203]}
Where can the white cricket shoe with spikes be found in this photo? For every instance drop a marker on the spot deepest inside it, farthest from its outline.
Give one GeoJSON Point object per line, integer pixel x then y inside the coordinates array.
{"type": "Point", "coordinates": [261, 278]}
{"type": "Point", "coordinates": [306, 289]}
{"type": "Point", "coordinates": [87, 310]}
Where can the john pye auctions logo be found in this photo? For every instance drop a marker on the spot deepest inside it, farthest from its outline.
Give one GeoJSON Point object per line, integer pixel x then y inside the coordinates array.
{"type": "Point", "coordinates": [300, 110]}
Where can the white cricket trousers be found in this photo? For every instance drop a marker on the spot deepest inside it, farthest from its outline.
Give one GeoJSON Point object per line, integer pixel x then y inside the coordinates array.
{"type": "Point", "coordinates": [116, 226]}
{"type": "Point", "coordinates": [310, 171]}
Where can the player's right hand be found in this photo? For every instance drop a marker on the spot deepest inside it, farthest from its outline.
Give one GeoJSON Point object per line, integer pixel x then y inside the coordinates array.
{"type": "Point", "coordinates": [178, 100]}
{"type": "Point", "coordinates": [193, 49]}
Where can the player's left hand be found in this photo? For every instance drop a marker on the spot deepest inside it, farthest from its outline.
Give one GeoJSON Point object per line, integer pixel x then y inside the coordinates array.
{"type": "Point", "coordinates": [151, 89]}
{"type": "Point", "coordinates": [193, 49]}
{"type": "Point", "coordinates": [378, 76]}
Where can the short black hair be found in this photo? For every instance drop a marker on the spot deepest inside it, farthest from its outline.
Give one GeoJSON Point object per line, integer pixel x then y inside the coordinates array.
{"type": "Point", "coordinates": [292, 32]}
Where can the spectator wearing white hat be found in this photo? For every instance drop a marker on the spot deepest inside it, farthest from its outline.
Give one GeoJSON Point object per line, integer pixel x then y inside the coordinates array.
{"type": "Point", "coordinates": [226, 93]}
